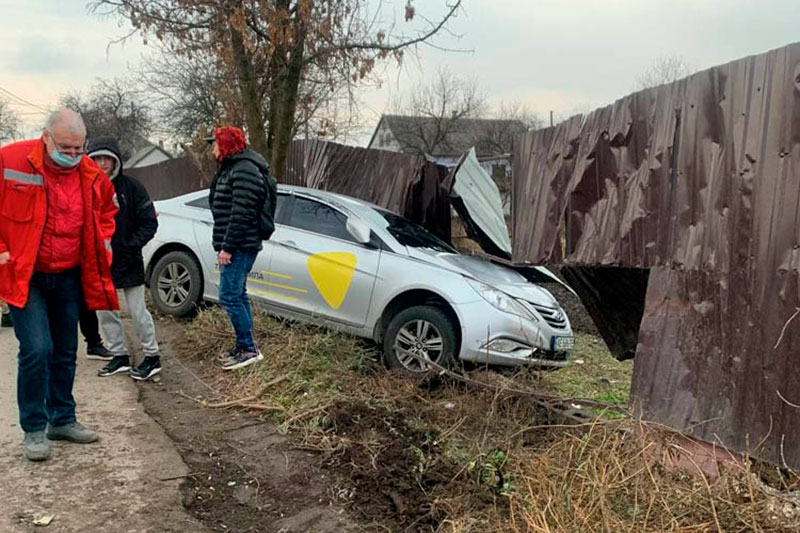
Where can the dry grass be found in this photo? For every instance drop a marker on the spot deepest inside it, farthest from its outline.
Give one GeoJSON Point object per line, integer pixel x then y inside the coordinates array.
{"type": "Point", "coordinates": [609, 480]}
{"type": "Point", "coordinates": [434, 454]}
{"type": "Point", "coordinates": [314, 360]}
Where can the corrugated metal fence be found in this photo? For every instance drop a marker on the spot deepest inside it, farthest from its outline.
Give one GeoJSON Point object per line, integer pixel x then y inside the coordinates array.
{"type": "Point", "coordinates": [700, 181]}
{"type": "Point", "coordinates": [171, 178]}
{"type": "Point", "coordinates": [407, 184]}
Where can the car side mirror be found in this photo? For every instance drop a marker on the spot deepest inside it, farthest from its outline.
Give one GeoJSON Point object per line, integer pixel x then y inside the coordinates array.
{"type": "Point", "coordinates": [359, 230]}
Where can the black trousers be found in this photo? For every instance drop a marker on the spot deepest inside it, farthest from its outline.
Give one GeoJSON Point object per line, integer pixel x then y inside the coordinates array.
{"type": "Point", "coordinates": [90, 329]}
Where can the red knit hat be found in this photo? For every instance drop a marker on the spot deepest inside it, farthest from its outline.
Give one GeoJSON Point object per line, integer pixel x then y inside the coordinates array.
{"type": "Point", "coordinates": [230, 140]}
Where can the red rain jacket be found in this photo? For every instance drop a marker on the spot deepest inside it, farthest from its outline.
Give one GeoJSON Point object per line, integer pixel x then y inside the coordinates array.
{"type": "Point", "coordinates": [23, 211]}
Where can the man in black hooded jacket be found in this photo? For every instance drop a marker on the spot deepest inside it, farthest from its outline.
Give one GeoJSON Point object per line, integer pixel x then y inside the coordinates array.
{"type": "Point", "coordinates": [136, 224]}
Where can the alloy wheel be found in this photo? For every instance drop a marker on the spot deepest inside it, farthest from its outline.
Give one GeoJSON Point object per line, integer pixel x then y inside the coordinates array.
{"type": "Point", "coordinates": [174, 284]}
{"type": "Point", "coordinates": [417, 341]}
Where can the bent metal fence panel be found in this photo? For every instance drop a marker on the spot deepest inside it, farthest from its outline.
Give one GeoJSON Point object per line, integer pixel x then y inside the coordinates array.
{"type": "Point", "coordinates": [699, 181]}
{"type": "Point", "coordinates": [403, 183]}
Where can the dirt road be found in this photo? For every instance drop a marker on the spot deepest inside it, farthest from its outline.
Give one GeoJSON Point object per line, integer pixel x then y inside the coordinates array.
{"type": "Point", "coordinates": [245, 476]}
{"type": "Point", "coordinates": [113, 485]}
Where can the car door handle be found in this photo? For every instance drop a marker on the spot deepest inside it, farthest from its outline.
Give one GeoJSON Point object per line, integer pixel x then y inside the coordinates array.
{"type": "Point", "coordinates": [288, 244]}
{"type": "Point", "coordinates": [207, 222]}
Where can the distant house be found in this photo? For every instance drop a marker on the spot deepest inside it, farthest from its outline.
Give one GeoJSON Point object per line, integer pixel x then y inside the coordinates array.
{"type": "Point", "coordinates": [446, 140]}
{"type": "Point", "coordinates": [148, 154]}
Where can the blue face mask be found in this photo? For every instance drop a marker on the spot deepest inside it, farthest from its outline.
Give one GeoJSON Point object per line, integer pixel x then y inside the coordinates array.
{"type": "Point", "coordinates": [64, 160]}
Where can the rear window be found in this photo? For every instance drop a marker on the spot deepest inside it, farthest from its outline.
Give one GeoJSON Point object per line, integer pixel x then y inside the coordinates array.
{"type": "Point", "coordinates": [201, 202]}
{"type": "Point", "coordinates": [317, 217]}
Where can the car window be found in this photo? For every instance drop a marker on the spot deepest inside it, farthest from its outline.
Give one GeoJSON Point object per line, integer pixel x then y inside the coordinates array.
{"type": "Point", "coordinates": [202, 203]}
{"type": "Point", "coordinates": [319, 218]}
{"type": "Point", "coordinates": [280, 204]}
{"type": "Point", "coordinates": [413, 235]}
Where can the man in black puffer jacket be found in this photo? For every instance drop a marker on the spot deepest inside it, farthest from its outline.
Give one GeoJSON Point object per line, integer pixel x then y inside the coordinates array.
{"type": "Point", "coordinates": [136, 224]}
{"type": "Point", "coordinates": [242, 200]}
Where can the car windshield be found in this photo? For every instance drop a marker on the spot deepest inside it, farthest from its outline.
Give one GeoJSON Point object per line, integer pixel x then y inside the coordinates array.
{"type": "Point", "coordinates": [413, 235]}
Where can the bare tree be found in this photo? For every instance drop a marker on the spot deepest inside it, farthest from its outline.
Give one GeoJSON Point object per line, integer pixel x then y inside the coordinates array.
{"type": "Point", "coordinates": [324, 112]}
{"type": "Point", "coordinates": [271, 46]}
{"type": "Point", "coordinates": [450, 114]}
{"type": "Point", "coordinates": [188, 94]}
{"type": "Point", "coordinates": [111, 108]}
{"type": "Point", "coordinates": [9, 123]}
{"type": "Point", "coordinates": [511, 119]}
{"type": "Point", "coordinates": [437, 113]}
{"type": "Point", "coordinates": [517, 111]}
{"type": "Point", "coordinates": [665, 69]}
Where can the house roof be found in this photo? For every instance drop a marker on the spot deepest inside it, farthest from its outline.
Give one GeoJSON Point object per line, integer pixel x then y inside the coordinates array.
{"type": "Point", "coordinates": [423, 135]}
{"type": "Point", "coordinates": [143, 152]}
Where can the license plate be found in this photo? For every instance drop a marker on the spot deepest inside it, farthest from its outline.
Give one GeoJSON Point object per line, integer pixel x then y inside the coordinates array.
{"type": "Point", "coordinates": [563, 344]}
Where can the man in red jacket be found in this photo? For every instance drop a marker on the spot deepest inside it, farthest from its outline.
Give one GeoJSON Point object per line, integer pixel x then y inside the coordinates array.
{"type": "Point", "coordinates": [56, 221]}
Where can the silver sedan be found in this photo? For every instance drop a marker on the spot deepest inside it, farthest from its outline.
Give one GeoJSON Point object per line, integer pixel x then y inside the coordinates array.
{"type": "Point", "coordinates": [356, 267]}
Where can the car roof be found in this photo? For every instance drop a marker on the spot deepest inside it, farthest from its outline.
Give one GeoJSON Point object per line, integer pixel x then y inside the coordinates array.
{"type": "Point", "coordinates": [328, 196]}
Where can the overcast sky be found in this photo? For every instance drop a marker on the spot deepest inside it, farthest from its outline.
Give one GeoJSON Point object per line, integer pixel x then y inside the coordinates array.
{"type": "Point", "coordinates": [548, 54]}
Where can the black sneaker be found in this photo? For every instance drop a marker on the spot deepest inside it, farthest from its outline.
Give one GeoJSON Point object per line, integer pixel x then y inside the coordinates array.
{"type": "Point", "coordinates": [98, 353]}
{"type": "Point", "coordinates": [120, 363]}
{"type": "Point", "coordinates": [242, 358]}
{"type": "Point", "coordinates": [224, 356]}
{"type": "Point", "coordinates": [147, 369]}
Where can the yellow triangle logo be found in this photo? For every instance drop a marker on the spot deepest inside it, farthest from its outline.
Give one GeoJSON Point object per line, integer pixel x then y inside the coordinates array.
{"type": "Point", "coordinates": [332, 273]}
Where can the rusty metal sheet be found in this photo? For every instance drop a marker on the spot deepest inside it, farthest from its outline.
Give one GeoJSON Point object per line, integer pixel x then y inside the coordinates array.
{"type": "Point", "coordinates": [428, 204]}
{"type": "Point", "coordinates": [614, 297]}
{"type": "Point", "coordinates": [406, 184]}
{"type": "Point", "coordinates": [695, 174]}
{"type": "Point", "coordinates": [719, 362]}
{"type": "Point", "coordinates": [699, 180]}
{"type": "Point", "coordinates": [543, 161]}
{"type": "Point", "coordinates": [170, 178]}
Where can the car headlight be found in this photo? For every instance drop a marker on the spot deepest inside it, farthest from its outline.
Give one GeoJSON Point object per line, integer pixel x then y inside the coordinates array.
{"type": "Point", "coordinates": [500, 300]}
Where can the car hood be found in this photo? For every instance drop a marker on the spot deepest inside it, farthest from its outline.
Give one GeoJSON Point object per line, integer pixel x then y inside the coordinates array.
{"type": "Point", "coordinates": [497, 276]}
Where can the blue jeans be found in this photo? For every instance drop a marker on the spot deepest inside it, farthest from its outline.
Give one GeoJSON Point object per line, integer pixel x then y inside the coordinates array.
{"type": "Point", "coordinates": [47, 331]}
{"type": "Point", "coordinates": [233, 296]}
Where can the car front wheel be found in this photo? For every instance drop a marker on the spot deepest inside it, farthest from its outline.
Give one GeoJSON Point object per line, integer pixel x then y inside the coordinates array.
{"type": "Point", "coordinates": [176, 284]}
{"type": "Point", "coordinates": [418, 334]}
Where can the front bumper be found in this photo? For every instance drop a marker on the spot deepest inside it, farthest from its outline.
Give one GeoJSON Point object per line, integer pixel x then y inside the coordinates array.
{"type": "Point", "coordinates": [482, 324]}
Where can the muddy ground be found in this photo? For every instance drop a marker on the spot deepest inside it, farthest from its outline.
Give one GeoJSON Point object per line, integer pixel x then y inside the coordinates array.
{"type": "Point", "coordinates": [127, 482]}
{"type": "Point", "coordinates": [191, 468]}
{"type": "Point", "coordinates": [244, 476]}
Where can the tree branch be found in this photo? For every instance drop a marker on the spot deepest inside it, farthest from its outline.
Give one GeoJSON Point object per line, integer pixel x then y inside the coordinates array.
{"type": "Point", "coordinates": [380, 47]}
